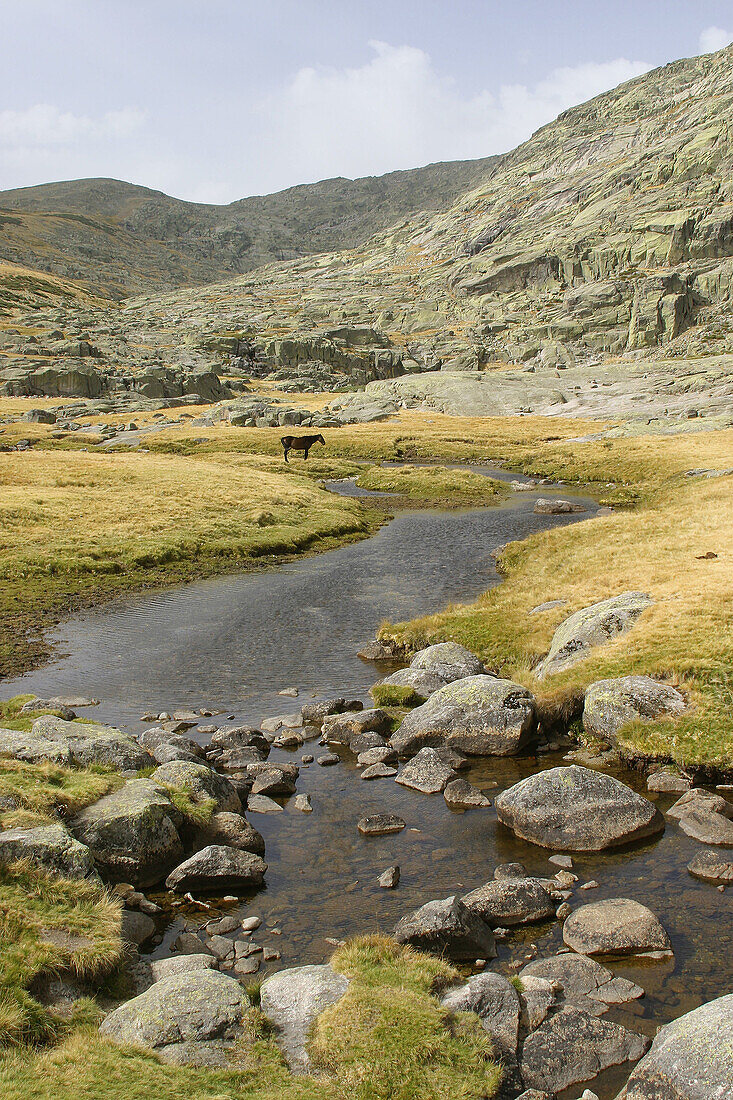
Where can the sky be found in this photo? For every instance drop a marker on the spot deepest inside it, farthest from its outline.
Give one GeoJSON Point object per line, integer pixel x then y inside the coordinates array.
{"type": "Point", "coordinates": [215, 100]}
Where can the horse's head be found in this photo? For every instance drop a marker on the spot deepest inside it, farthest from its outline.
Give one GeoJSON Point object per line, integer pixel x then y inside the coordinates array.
{"type": "Point", "coordinates": [320, 439]}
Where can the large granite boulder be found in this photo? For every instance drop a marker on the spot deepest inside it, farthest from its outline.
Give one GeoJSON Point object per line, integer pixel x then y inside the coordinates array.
{"type": "Point", "coordinates": [200, 782]}
{"type": "Point", "coordinates": [292, 1000]}
{"type": "Point", "coordinates": [132, 833]}
{"type": "Point", "coordinates": [480, 715]}
{"type": "Point", "coordinates": [217, 868]}
{"type": "Point", "coordinates": [590, 627]}
{"type": "Point", "coordinates": [427, 772]}
{"type": "Point", "coordinates": [79, 743]}
{"type": "Point", "coordinates": [690, 1059]}
{"type": "Point", "coordinates": [165, 746]}
{"type": "Point", "coordinates": [711, 865]}
{"type": "Point", "coordinates": [577, 809]}
{"type": "Point", "coordinates": [615, 926]}
{"type": "Point", "coordinates": [195, 1007]}
{"type": "Point", "coordinates": [572, 1046]}
{"type": "Point", "coordinates": [708, 826]}
{"type": "Point", "coordinates": [506, 902]}
{"type": "Point", "coordinates": [432, 668]}
{"type": "Point", "coordinates": [583, 982]}
{"type": "Point", "coordinates": [51, 847]}
{"type": "Point", "coordinates": [610, 704]}
{"type": "Point", "coordinates": [342, 729]}
{"type": "Point", "coordinates": [232, 830]}
{"type": "Point", "coordinates": [496, 1003]}
{"type": "Point", "coordinates": [447, 927]}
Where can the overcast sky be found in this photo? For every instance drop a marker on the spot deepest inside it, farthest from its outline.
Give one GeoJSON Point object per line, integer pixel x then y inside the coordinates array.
{"type": "Point", "coordinates": [213, 100]}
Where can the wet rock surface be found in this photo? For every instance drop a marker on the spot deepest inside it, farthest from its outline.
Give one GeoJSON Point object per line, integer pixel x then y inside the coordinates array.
{"type": "Point", "coordinates": [577, 809]}
{"type": "Point", "coordinates": [447, 927]}
{"type": "Point", "coordinates": [506, 902]}
{"type": "Point", "coordinates": [618, 926]}
{"type": "Point", "coordinates": [479, 715]}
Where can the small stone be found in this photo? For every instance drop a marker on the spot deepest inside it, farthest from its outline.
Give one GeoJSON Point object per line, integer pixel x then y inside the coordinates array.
{"type": "Point", "coordinates": [590, 885]}
{"type": "Point", "coordinates": [261, 804]}
{"type": "Point", "coordinates": [222, 926]}
{"type": "Point", "coordinates": [302, 802]}
{"type": "Point", "coordinates": [328, 759]}
{"type": "Point", "coordinates": [270, 954]}
{"type": "Point", "coordinates": [566, 862]}
{"type": "Point", "coordinates": [307, 758]}
{"type": "Point", "coordinates": [389, 878]}
{"type": "Point", "coordinates": [563, 911]}
{"type": "Point", "coordinates": [248, 965]}
{"type": "Point", "coordinates": [459, 794]}
{"type": "Point", "coordinates": [291, 693]}
{"type": "Point", "coordinates": [220, 947]}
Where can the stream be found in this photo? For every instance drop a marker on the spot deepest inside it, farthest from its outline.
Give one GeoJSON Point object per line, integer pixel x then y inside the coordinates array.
{"type": "Point", "coordinates": [232, 643]}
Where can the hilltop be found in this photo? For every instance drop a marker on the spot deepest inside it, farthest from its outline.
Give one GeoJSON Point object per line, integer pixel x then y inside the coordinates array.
{"type": "Point", "coordinates": [121, 239]}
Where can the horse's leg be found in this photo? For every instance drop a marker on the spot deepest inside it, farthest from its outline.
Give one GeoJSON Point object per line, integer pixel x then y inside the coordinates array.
{"type": "Point", "coordinates": [305, 455]}
{"type": "Point", "coordinates": [285, 453]}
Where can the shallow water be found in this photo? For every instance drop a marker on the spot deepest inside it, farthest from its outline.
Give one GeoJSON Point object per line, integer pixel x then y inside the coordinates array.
{"type": "Point", "coordinates": [232, 643]}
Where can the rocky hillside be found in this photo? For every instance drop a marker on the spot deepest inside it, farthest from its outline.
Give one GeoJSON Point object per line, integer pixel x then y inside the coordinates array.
{"type": "Point", "coordinates": [609, 232]}
{"type": "Point", "coordinates": [122, 239]}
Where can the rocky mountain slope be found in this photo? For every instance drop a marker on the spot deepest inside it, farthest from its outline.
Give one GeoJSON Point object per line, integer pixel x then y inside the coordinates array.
{"type": "Point", "coordinates": [609, 232]}
{"type": "Point", "coordinates": [122, 239]}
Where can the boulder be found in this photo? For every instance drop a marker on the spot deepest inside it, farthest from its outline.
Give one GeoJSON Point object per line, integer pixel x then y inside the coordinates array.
{"type": "Point", "coordinates": [380, 824]}
{"type": "Point", "coordinates": [459, 794]}
{"type": "Point", "coordinates": [710, 866]}
{"type": "Point", "coordinates": [537, 996]}
{"type": "Point", "coordinates": [273, 779]}
{"type": "Point", "coordinates": [590, 627]}
{"type": "Point", "coordinates": [292, 1000]}
{"type": "Point", "coordinates": [341, 729]}
{"type": "Point", "coordinates": [611, 704]}
{"type": "Point", "coordinates": [215, 868]}
{"type": "Point", "coordinates": [51, 847]}
{"type": "Point", "coordinates": [615, 926]}
{"type": "Point", "coordinates": [421, 684]}
{"type": "Point", "coordinates": [427, 772]}
{"type": "Point", "coordinates": [577, 809]}
{"type": "Point", "coordinates": [232, 830]}
{"type": "Point", "coordinates": [192, 1007]}
{"type": "Point", "coordinates": [544, 507]}
{"type": "Point", "coordinates": [164, 746]}
{"type": "Point", "coordinates": [690, 1058]}
{"type": "Point", "coordinates": [708, 827]}
{"type": "Point", "coordinates": [496, 1003]}
{"type": "Point", "coordinates": [432, 668]}
{"type": "Point", "coordinates": [314, 713]}
{"type": "Point", "coordinates": [584, 982]}
{"type": "Point", "coordinates": [200, 782]}
{"type": "Point", "coordinates": [131, 833]}
{"type": "Point", "coordinates": [181, 964]}
{"type": "Point", "coordinates": [83, 744]}
{"type": "Point", "coordinates": [378, 771]}
{"type": "Point", "coordinates": [480, 715]}
{"type": "Point", "coordinates": [447, 927]}
{"type": "Point", "coordinates": [667, 781]}
{"type": "Point", "coordinates": [505, 902]}
{"type": "Point", "coordinates": [699, 799]}
{"type": "Point", "coordinates": [136, 927]}
{"type": "Point", "coordinates": [572, 1046]}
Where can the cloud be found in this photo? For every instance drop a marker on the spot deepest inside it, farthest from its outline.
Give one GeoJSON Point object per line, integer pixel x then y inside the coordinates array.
{"type": "Point", "coordinates": [714, 38]}
{"type": "Point", "coordinates": [398, 111]}
{"type": "Point", "coordinates": [46, 125]}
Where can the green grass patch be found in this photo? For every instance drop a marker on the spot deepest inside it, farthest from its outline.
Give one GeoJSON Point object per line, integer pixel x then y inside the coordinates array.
{"type": "Point", "coordinates": [387, 1039]}
{"type": "Point", "coordinates": [45, 791]}
{"type": "Point", "coordinates": [194, 811]}
{"type": "Point", "coordinates": [396, 695]}
{"type": "Point", "coordinates": [434, 485]}
{"type": "Point", "coordinates": [49, 924]}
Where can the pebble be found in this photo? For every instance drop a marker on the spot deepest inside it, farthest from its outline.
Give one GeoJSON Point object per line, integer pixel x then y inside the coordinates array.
{"type": "Point", "coordinates": [302, 802]}
{"type": "Point", "coordinates": [380, 824]}
{"type": "Point", "coordinates": [328, 759]}
{"type": "Point", "coordinates": [223, 926]}
{"type": "Point", "coordinates": [566, 862]}
{"type": "Point", "coordinates": [261, 804]}
{"type": "Point", "coordinates": [250, 923]}
{"type": "Point", "coordinates": [270, 954]}
{"type": "Point", "coordinates": [292, 693]}
{"type": "Point", "coordinates": [563, 911]}
{"type": "Point", "coordinates": [591, 885]}
{"type": "Point", "coordinates": [307, 759]}
{"type": "Point", "coordinates": [248, 965]}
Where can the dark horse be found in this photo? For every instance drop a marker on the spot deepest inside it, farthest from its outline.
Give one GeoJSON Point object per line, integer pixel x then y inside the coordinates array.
{"type": "Point", "coordinates": [300, 443]}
